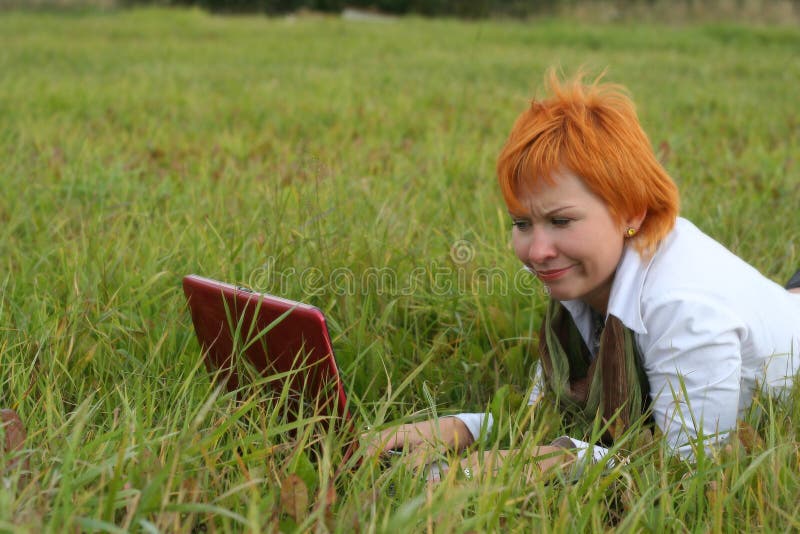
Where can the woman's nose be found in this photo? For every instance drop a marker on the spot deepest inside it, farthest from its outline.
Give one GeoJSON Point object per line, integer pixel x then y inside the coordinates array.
{"type": "Point", "coordinates": [541, 248]}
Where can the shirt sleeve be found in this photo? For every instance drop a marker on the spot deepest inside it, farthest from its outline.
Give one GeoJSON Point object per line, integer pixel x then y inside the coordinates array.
{"type": "Point", "coordinates": [475, 421]}
{"type": "Point", "coordinates": [692, 357]}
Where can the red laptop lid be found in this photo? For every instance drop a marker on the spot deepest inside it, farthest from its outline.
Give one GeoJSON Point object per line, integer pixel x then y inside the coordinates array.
{"type": "Point", "coordinates": [282, 339]}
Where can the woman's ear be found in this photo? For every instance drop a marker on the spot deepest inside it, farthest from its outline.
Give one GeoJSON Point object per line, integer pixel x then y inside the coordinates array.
{"type": "Point", "coordinates": [636, 221]}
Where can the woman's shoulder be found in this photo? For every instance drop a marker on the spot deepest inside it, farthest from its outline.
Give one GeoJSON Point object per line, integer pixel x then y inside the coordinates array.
{"type": "Point", "coordinates": [687, 266]}
{"type": "Point", "coordinates": [694, 280]}
{"type": "Point", "coordinates": [689, 262]}
{"type": "Point", "coordinates": [687, 242]}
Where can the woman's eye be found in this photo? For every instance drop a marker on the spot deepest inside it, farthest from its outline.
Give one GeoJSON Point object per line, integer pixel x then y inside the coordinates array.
{"type": "Point", "coordinates": [520, 224]}
{"type": "Point", "coordinates": [560, 221]}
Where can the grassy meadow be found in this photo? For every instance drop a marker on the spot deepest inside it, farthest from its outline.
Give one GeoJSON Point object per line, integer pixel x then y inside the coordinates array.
{"type": "Point", "coordinates": [348, 164]}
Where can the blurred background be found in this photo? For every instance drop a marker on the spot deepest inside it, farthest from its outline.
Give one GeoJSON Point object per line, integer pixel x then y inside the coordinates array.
{"type": "Point", "coordinates": [764, 11]}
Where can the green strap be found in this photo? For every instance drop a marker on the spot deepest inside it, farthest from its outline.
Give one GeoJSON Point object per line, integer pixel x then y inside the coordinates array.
{"type": "Point", "coordinates": [615, 385]}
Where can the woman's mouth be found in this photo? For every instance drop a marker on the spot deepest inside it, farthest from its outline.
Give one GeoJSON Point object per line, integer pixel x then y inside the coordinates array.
{"type": "Point", "coordinates": [552, 274]}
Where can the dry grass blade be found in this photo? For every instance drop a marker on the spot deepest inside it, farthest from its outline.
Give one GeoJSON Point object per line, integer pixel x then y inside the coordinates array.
{"type": "Point", "coordinates": [294, 497]}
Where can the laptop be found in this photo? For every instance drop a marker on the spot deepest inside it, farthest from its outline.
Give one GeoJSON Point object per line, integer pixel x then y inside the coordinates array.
{"type": "Point", "coordinates": [286, 341]}
{"type": "Point", "coordinates": [283, 340]}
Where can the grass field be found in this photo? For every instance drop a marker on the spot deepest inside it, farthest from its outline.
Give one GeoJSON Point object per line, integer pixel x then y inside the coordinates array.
{"type": "Point", "coordinates": [349, 165]}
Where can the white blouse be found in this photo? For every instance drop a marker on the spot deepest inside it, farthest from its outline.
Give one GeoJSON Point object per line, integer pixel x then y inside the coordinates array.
{"type": "Point", "coordinates": [711, 331]}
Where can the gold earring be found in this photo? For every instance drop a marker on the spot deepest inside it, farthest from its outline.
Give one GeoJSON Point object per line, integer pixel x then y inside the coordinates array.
{"type": "Point", "coordinates": [631, 231]}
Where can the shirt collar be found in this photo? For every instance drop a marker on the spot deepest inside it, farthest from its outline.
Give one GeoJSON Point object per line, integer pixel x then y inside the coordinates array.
{"type": "Point", "coordinates": [625, 300]}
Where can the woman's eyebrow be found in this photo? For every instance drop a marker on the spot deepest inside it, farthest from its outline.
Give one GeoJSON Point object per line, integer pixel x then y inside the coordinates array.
{"type": "Point", "coordinates": [555, 211]}
{"type": "Point", "coordinates": [550, 213]}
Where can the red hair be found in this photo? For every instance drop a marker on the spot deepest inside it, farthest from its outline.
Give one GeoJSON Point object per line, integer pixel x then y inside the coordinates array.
{"type": "Point", "coordinates": [593, 131]}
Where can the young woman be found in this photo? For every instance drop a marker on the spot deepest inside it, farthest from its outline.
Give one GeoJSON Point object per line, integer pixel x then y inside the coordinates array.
{"type": "Point", "coordinates": [647, 314]}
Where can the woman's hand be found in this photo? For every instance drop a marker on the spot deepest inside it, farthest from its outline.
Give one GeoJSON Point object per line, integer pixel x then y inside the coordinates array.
{"type": "Point", "coordinates": [423, 438]}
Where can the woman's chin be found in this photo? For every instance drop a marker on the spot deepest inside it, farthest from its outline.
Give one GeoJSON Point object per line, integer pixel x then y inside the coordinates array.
{"type": "Point", "coordinates": [562, 291]}
{"type": "Point", "coordinates": [558, 293]}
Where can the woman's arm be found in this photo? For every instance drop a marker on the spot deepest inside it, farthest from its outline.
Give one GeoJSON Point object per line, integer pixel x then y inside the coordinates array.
{"type": "Point", "coordinates": [692, 357]}
{"type": "Point", "coordinates": [538, 461]}
{"type": "Point", "coordinates": [423, 442]}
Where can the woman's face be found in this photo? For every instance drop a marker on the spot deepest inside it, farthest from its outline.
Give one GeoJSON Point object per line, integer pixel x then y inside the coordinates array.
{"type": "Point", "coordinates": [569, 239]}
